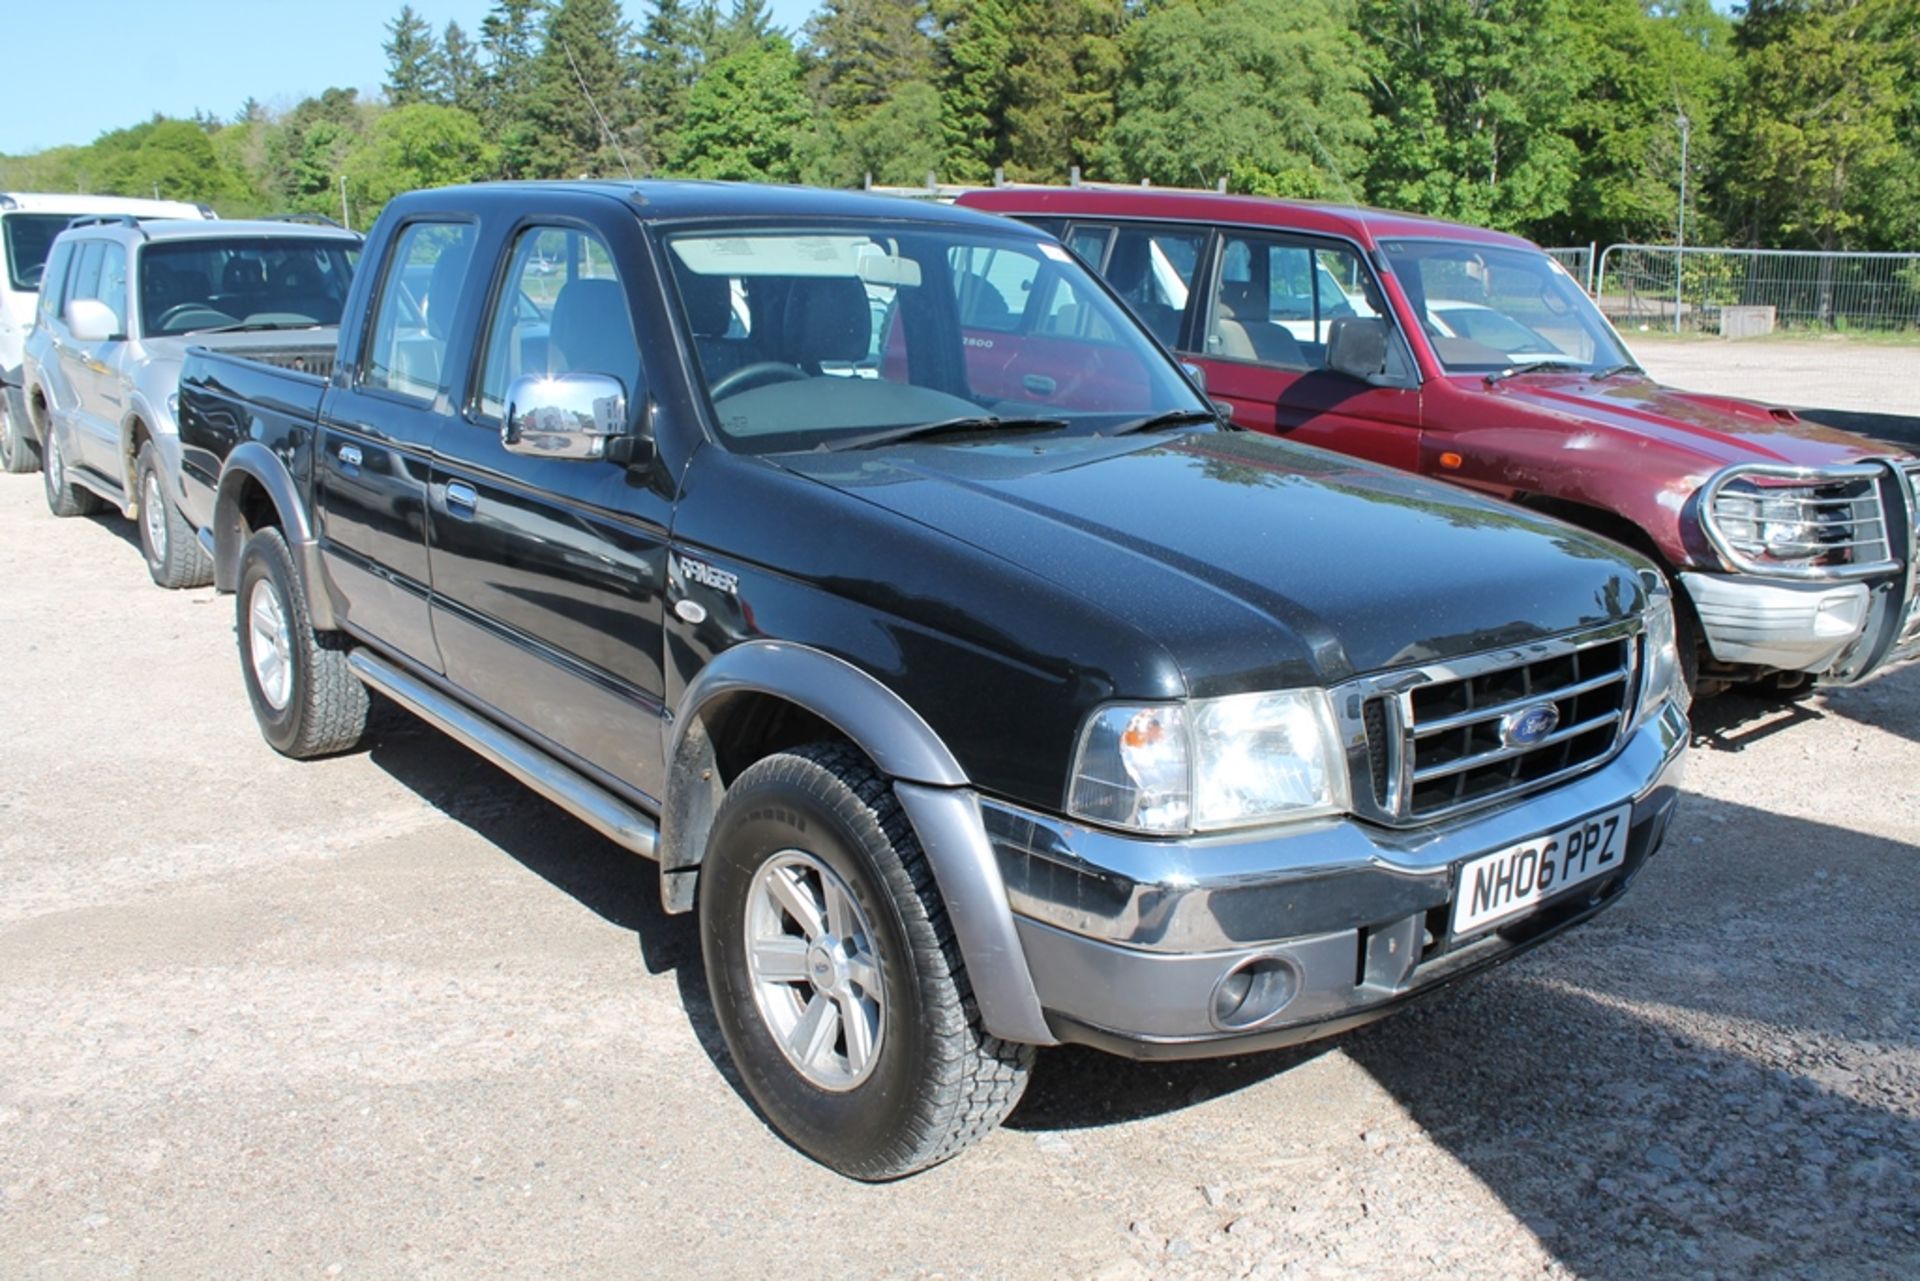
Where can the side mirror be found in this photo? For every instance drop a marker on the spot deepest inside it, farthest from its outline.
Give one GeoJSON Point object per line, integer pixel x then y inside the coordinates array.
{"type": "Point", "coordinates": [91, 320]}
{"type": "Point", "coordinates": [1357, 347]}
{"type": "Point", "coordinates": [564, 415]}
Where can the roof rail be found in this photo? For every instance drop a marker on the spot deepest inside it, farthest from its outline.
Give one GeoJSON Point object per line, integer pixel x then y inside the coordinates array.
{"type": "Point", "coordinates": [109, 220]}
{"type": "Point", "coordinates": [318, 220]}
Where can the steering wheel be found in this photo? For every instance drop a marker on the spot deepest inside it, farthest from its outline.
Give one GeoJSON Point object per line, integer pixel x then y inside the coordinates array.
{"type": "Point", "coordinates": [172, 315]}
{"type": "Point", "coordinates": [760, 373]}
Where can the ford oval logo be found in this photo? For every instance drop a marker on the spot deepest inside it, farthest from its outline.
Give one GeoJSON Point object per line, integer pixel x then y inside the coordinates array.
{"type": "Point", "coordinates": [1529, 725]}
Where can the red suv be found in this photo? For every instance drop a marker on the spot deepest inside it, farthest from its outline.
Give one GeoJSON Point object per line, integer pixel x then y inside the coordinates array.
{"type": "Point", "coordinates": [1471, 356]}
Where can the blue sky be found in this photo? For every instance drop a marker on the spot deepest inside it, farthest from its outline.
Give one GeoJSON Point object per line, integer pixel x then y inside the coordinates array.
{"type": "Point", "coordinates": [77, 68]}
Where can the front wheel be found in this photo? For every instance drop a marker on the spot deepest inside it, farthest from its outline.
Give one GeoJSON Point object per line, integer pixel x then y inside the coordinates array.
{"type": "Point", "coordinates": [18, 454]}
{"type": "Point", "coordinates": [305, 697]}
{"type": "Point", "coordinates": [64, 498]}
{"type": "Point", "coordinates": [834, 972]}
{"type": "Point", "coordinates": [175, 558]}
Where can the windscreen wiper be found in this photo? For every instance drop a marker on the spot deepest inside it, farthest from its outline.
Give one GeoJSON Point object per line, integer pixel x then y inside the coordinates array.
{"type": "Point", "coordinates": [1171, 418]}
{"type": "Point", "coordinates": [1536, 367]}
{"type": "Point", "coordinates": [255, 326]}
{"type": "Point", "coordinates": [1622, 368]}
{"type": "Point", "coordinates": [982, 424]}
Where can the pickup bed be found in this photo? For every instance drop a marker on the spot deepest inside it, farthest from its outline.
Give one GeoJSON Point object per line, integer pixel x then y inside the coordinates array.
{"type": "Point", "coordinates": [978, 695]}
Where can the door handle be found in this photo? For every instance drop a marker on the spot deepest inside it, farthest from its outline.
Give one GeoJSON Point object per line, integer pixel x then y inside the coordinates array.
{"type": "Point", "coordinates": [462, 497]}
{"type": "Point", "coordinates": [350, 455]}
{"type": "Point", "coordinates": [1039, 384]}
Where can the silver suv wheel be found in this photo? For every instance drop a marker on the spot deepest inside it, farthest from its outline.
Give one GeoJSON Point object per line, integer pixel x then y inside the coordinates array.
{"type": "Point", "coordinates": [154, 517]}
{"type": "Point", "coordinates": [816, 980]}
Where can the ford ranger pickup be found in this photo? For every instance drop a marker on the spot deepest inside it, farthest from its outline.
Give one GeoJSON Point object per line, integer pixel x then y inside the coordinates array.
{"type": "Point", "coordinates": [977, 695]}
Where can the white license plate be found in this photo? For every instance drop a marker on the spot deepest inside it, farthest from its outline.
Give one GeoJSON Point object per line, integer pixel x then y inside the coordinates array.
{"type": "Point", "coordinates": [1517, 879]}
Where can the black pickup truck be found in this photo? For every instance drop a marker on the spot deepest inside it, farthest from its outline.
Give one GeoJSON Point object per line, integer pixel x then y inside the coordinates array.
{"type": "Point", "coordinates": [868, 566]}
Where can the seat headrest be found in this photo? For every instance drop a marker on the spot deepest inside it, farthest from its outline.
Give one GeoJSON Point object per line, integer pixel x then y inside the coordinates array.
{"type": "Point", "coordinates": [591, 332]}
{"type": "Point", "coordinates": [443, 288]}
{"type": "Point", "coordinates": [709, 301]}
{"type": "Point", "coordinates": [827, 318]}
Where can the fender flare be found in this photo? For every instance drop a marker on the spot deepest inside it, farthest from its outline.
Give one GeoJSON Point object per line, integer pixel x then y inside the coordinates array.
{"type": "Point", "coordinates": [930, 783]}
{"type": "Point", "coordinates": [253, 463]}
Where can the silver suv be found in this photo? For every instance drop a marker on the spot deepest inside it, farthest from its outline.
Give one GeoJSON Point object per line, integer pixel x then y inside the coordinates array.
{"type": "Point", "coordinates": [121, 300]}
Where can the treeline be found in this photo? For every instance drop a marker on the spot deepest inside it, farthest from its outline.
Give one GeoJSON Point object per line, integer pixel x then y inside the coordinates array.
{"type": "Point", "coordinates": [1565, 120]}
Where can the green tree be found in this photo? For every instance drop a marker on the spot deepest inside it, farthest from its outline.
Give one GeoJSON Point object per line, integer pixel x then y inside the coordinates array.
{"type": "Point", "coordinates": [1027, 84]}
{"type": "Point", "coordinates": [420, 145]}
{"type": "Point", "coordinates": [580, 109]}
{"type": "Point", "coordinates": [747, 118]}
{"type": "Point", "coordinates": [747, 23]}
{"type": "Point", "coordinates": [1270, 94]}
{"type": "Point", "coordinates": [462, 80]}
{"type": "Point", "coordinates": [305, 149]}
{"type": "Point", "coordinates": [669, 54]}
{"type": "Point", "coordinates": [509, 39]}
{"type": "Point", "coordinates": [1651, 66]}
{"type": "Point", "coordinates": [898, 142]}
{"type": "Point", "coordinates": [413, 60]}
{"type": "Point", "coordinates": [861, 51]}
{"type": "Point", "coordinates": [1816, 131]}
{"type": "Point", "coordinates": [1473, 99]}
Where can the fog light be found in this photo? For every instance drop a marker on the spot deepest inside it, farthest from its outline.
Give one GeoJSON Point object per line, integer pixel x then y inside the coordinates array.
{"type": "Point", "coordinates": [1254, 991]}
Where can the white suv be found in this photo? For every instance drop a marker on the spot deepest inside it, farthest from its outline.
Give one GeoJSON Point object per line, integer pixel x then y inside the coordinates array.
{"type": "Point", "coordinates": [123, 299]}
{"type": "Point", "coordinates": [28, 223]}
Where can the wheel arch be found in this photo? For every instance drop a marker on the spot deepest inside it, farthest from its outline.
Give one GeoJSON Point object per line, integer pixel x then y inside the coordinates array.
{"type": "Point", "coordinates": [256, 490]}
{"type": "Point", "coordinates": [763, 696]}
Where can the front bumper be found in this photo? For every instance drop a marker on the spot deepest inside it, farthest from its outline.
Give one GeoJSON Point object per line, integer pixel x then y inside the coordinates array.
{"type": "Point", "coordinates": [1128, 938]}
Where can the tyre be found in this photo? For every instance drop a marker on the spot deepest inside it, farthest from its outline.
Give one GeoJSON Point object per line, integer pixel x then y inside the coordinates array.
{"type": "Point", "coordinates": [18, 453]}
{"type": "Point", "coordinates": [64, 498]}
{"type": "Point", "coordinates": [834, 972]}
{"type": "Point", "coordinates": [306, 698]}
{"type": "Point", "coordinates": [174, 556]}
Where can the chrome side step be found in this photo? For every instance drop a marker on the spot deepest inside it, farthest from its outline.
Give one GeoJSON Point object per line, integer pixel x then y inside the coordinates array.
{"type": "Point", "coordinates": [565, 787]}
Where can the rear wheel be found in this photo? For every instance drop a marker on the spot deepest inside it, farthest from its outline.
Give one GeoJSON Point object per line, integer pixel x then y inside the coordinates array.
{"type": "Point", "coordinates": [834, 972]}
{"type": "Point", "coordinates": [305, 697]}
{"type": "Point", "coordinates": [64, 498]}
{"type": "Point", "coordinates": [175, 558]}
{"type": "Point", "coordinates": [18, 454]}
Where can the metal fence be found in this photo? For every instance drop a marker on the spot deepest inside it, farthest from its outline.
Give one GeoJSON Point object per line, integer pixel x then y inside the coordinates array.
{"type": "Point", "coordinates": [1579, 263]}
{"type": "Point", "coordinates": [1661, 287]}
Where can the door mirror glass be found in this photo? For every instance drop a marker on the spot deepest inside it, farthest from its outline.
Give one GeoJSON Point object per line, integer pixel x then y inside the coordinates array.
{"type": "Point", "coordinates": [91, 320]}
{"type": "Point", "coordinates": [564, 415]}
{"type": "Point", "coordinates": [1357, 347]}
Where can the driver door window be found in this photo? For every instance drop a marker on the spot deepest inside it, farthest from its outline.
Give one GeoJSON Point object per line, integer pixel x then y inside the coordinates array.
{"type": "Point", "coordinates": [561, 308]}
{"type": "Point", "coordinates": [1277, 302]}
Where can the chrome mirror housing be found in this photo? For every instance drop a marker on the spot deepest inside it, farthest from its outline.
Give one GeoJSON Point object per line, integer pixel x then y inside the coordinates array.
{"type": "Point", "coordinates": [564, 415]}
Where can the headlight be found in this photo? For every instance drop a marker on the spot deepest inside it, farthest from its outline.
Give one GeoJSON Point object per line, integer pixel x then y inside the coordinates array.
{"type": "Point", "coordinates": [1213, 763]}
{"type": "Point", "coordinates": [1660, 676]}
{"type": "Point", "coordinates": [1798, 522]}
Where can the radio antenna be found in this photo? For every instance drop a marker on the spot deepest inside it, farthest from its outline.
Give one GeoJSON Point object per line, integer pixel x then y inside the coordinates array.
{"type": "Point", "coordinates": [595, 107]}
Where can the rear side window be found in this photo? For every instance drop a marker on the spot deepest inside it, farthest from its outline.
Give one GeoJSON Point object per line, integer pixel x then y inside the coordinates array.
{"type": "Point", "coordinates": [28, 237]}
{"type": "Point", "coordinates": [561, 309]}
{"type": "Point", "coordinates": [413, 315]}
{"type": "Point", "coordinates": [86, 271]}
{"type": "Point", "coordinates": [1152, 269]}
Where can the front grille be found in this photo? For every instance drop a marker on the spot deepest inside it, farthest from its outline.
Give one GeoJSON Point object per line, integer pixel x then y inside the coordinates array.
{"type": "Point", "coordinates": [1443, 739]}
{"type": "Point", "coordinates": [1910, 633]}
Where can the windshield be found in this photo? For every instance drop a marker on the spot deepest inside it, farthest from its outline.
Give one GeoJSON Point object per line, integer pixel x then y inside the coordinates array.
{"type": "Point", "coordinates": [255, 282]}
{"type": "Point", "coordinates": [1487, 308]}
{"type": "Point", "coordinates": [812, 338]}
{"type": "Point", "coordinates": [29, 237]}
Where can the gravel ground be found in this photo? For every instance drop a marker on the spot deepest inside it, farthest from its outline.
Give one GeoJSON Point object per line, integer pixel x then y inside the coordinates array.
{"type": "Point", "coordinates": [1860, 386]}
{"type": "Point", "coordinates": [392, 1015]}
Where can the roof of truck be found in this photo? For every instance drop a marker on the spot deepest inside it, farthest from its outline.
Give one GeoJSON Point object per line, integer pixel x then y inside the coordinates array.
{"type": "Point", "coordinates": [1356, 222]}
{"type": "Point", "coordinates": [669, 200]}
